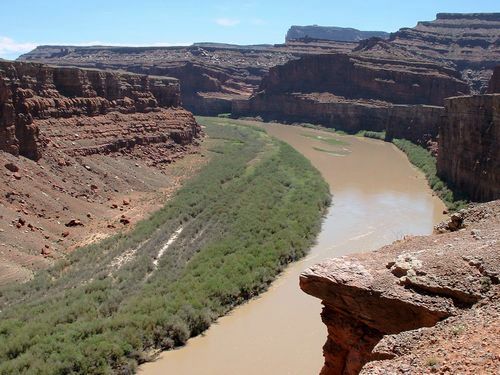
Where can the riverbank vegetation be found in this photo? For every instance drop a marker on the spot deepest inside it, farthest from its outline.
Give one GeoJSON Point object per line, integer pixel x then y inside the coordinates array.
{"type": "Point", "coordinates": [255, 207]}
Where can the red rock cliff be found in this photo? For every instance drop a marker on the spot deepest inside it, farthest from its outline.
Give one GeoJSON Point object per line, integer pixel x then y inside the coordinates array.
{"type": "Point", "coordinates": [469, 152]}
{"type": "Point", "coordinates": [32, 94]}
{"type": "Point", "coordinates": [354, 77]}
{"type": "Point", "coordinates": [494, 86]}
{"type": "Point", "coordinates": [352, 93]}
{"type": "Point", "coordinates": [376, 304]}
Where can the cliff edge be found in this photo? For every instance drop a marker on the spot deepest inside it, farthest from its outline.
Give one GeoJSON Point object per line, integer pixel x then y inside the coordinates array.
{"type": "Point", "coordinates": [420, 305]}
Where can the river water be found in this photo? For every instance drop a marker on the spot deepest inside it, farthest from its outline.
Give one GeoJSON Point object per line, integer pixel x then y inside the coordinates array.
{"type": "Point", "coordinates": [378, 197]}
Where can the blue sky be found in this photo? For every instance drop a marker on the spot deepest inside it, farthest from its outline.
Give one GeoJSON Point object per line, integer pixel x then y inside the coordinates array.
{"type": "Point", "coordinates": [27, 23]}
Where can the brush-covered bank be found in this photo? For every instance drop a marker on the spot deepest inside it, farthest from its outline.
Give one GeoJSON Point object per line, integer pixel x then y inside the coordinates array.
{"type": "Point", "coordinates": [255, 207]}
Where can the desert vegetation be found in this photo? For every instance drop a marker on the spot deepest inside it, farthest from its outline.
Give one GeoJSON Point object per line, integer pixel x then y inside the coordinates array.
{"type": "Point", "coordinates": [255, 207]}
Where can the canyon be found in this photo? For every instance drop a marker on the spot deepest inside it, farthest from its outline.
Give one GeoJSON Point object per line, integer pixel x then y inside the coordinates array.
{"type": "Point", "coordinates": [352, 93]}
{"type": "Point", "coordinates": [211, 74]}
{"type": "Point", "coordinates": [83, 152]}
{"type": "Point", "coordinates": [89, 137]}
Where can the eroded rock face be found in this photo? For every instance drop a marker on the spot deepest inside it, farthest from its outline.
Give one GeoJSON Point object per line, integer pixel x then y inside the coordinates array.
{"type": "Point", "coordinates": [94, 143]}
{"type": "Point", "coordinates": [466, 42]}
{"type": "Point", "coordinates": [398, 82]}
{"type": "Point", "coordinates": [33, 94]}
{"type": "Point", "coordinates": [355, 93]}
{"type": "Point", "coordinates": [416, 282]}
{"type": "Point", "coordinates": [211, 74]}
{"type": "Point", "coordinates": [469, 152]}
{"type": "Point", "coordinates": [494, 85]}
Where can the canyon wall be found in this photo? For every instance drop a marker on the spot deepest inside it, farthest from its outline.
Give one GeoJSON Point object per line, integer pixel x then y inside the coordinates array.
{"type": "Point", "coordinates": [354, 77]}
{"type": "Point", "coordinates": [31, 95]}
{"type": "Point", "coordinates": [494, 85]}
{"type": "Point", "coordinates": [211, 74]}
{"type": "Point", "coordinates": [353, 93]}
{"type": "Point", "coordinates": [469, 139]}
{"type": "Point", "coordinates": [465, 42]}
{"type": "Point", "coordinates": [377, 305]}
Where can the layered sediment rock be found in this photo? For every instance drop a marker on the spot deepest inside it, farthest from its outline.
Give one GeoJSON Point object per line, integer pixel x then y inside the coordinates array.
{"type": "Point", "coordinates": [441, 281]}
{"type": "Point", "coordinates": [494, 85]}
{"type": "Point", "coordinates": [469, 139]}
{"type": "Point", "coordinates": [211, 74]}
{"type": "Point", "coordinates": [395, 81]}
{"type": "Point", "coordinates": [344, 34]}
{"type": "Point", "coordinates": [466, 42]}
{"type": "Point", "coordinates": [354, 93]}
{"type": "Point", "coordinates": [34, 96]}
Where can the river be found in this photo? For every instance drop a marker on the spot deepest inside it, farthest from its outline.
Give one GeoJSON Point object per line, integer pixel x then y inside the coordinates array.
{"type": "Point", "coordinates": [378, 197]}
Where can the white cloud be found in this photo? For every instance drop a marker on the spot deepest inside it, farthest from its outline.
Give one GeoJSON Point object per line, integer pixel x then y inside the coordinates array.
{"type": "Point", "coordinates": [227, 22]}
{"type": "Point", "coordinates": [9, 48]}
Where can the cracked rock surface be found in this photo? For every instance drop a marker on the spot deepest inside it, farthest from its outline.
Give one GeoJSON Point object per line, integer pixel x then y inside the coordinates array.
{"type": "Point", "coordinates": [422, 304]}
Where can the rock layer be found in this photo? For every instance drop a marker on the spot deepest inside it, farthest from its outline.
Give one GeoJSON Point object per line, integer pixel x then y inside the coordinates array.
{"type": "Point", "coordinates": [32, 93]}
{"type": "Point", "coordinates": [415, 282]}
{"type": "Point", "coordinates": [466, 42]}
{"type": "Point", "coordinates": [356, 93]}
{"type": "Point", "coordinates": [211, 74]}
{"type": "Point", "coordinates": [395, 81]}
{"type": "Point", "coordinates": [469, 139]}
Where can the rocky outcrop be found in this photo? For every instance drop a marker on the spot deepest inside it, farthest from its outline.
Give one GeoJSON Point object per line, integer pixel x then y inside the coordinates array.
{"type": "Point", "coordinates": [416, 123]}
{"type": "Point", "coordinates": [34, 98]}
{"type": "Point", "coordinates": [341, 34]}
{"type": "Point", "coordinates": [211, 74]}
{"type": "Point", "coordinates": [466, 42]}
{"type": "Point", "coordinates": [395, 81]}
{"type": "Point", "coordinates": [443, 281]}
{"type": "Point", "coordinates": [494, 86]}
{"type": "Point", "coordinates": [469, 155]}
{"type": "Point", "coordinates": [353, 93]}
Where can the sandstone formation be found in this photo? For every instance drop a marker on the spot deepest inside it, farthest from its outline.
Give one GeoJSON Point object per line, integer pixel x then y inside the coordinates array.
{"type": "Point", "coordinates": [469, 152]}
{"type": "Point", "coordinates": [352, 93]}
{"type": "Point", "coordinates": [211, 74]}
{"type": "Point", "coordinates": [32, 93]}
{"type": "Point", "coordinates": [74, 145]}
{"type": "Point", "coordinates": [468, 43]}
{"type": "Point", "coordinates": [376, 304]}
{"type": "Point", "coordinates": [395, 81]}
{"type": "Point", "coordinates": [341, 34]}
{"type": "Point", "coordinates": [494, 86]}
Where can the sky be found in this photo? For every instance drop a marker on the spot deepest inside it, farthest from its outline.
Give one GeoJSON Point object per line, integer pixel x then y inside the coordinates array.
{"type": "Point", "coordinates": [24, 24]}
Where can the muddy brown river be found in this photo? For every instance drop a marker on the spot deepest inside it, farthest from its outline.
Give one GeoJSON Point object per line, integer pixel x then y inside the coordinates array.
{"type": "Point", "coordinates": [378, 197]}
